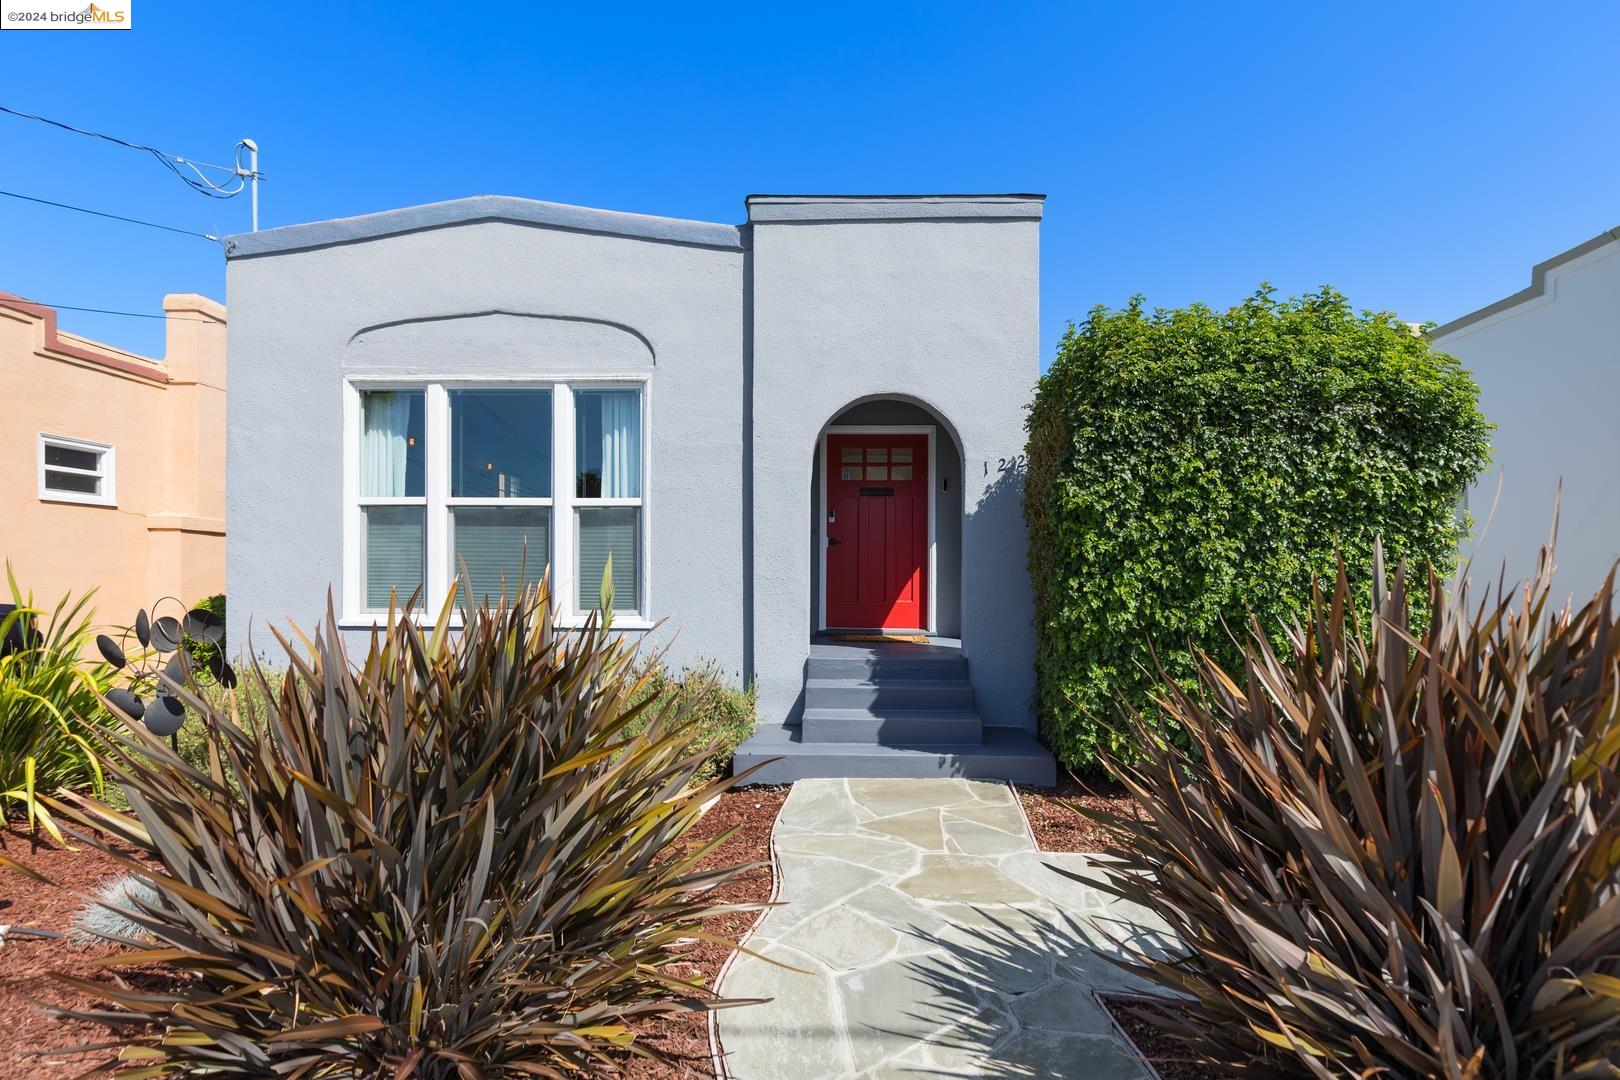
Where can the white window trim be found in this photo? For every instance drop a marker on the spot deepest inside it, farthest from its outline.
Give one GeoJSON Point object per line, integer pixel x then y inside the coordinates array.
{"type": "Point", "coordinates": [821, 525]}
{"type": "Point", "coordinates": [107, 473]}
{"type": "Point", "coordinates": [576, 614]}
{"type": "Point", "coordinates": [438, 503]}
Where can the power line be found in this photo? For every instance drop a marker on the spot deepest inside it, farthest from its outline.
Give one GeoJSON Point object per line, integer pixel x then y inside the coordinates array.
{"type": "Point", "coordinates": [200, 183]}
{"type": "Point", "coordinates": [104, 311]}
{"type": "Point", "coordinates": [114, 217]}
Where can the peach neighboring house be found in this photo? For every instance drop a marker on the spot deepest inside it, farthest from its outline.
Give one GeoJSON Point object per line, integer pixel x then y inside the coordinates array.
{"type": "Point", "coordinates": [112, 464]}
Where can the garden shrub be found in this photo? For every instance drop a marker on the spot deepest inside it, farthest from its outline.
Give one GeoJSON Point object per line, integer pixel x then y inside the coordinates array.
{"type": "Point", "coordinates": [202, 651]}
{"type": "Point", "coordinates": [457, 857]}
{"type": "Point", "coordinates": [1395, 853]}
{"type": "Point", "coordinates": [1189, 468]}
{"type": "Point", "coordinates": [720, 711]}
{"type": "Point", "coordinates": [48, 704]}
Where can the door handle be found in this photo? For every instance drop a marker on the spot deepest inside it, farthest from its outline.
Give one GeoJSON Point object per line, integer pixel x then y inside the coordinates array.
{"type": "Point", "coordinates": [831, 541]}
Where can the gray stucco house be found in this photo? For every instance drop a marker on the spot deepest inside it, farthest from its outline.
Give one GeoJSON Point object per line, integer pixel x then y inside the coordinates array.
{"type": "Point", "coordinates": [1544, 359]}
{"type": "Point", "coordinates": [780, 435]}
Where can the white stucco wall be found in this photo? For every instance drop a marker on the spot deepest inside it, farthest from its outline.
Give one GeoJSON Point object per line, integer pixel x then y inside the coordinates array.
{"type": "Point", "coordinates": [487, 298]}
{"type": "Point", "coordinates": [860, 300]}
{"type": "Point", "coordinates": [1548, 368]}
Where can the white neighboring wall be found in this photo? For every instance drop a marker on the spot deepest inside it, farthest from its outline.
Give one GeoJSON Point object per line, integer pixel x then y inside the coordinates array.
{"type": "Point", "coordinates": [1546, 363]}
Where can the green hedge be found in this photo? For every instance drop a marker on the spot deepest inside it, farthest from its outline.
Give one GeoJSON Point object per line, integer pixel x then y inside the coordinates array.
{"type": "Point", "coordinates": [1190, 467]}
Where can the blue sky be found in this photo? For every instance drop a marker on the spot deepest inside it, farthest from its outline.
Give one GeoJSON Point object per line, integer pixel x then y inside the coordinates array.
{"type": "Point", "coordinates": [1419, 157]}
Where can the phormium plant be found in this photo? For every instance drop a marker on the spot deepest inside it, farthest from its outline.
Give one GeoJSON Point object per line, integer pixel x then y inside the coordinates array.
{"type": "Point", "coordinates": [1190, 468]}
{"type": "Point", "coordinates": [48, 705]}
{"type": "Point", "coordinates": [449, 859]}
{"type": "Point", "coordinates": [1393, 853]}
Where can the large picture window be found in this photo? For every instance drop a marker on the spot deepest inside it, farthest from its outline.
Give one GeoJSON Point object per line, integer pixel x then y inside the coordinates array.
{"type": "Point", "coordinates": [500, 488]}
{"type": "Point", "coordinates": [492, 484]}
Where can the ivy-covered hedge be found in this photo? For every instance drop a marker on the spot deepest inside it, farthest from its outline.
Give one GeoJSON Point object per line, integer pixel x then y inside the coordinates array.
{"type": "Point", "coordinates": [1189, 468]}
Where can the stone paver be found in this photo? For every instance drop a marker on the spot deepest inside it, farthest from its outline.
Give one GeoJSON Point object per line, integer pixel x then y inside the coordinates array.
{"type": "Point", "coordinates": [934, 940]}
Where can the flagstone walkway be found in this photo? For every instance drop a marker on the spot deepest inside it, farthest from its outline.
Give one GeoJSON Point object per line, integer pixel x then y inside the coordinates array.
{"type": "Point", "coordinates": [932, 939]}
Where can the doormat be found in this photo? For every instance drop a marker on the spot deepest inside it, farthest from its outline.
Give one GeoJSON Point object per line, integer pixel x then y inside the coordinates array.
{"type": "Point", "coordinates": [914, 639]}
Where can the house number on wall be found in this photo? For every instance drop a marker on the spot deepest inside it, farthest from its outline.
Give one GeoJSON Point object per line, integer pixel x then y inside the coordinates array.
{"type": "Point", "coordinates": [1005, 464]}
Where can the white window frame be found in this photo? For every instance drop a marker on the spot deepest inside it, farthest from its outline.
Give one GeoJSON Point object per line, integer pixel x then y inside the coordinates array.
{"type": "Point", "coordinates": [439, 504]}
{"type": "Point", "coordinates": [821, 525]}
{"type": "Point", "coordinates": [448, 568]}
{"type": "Point", "coordinates": [355, 504]}
{"type": "Point", "coordinates": [106, 471]}
{"type": "Point", "coordinates": [576, 612]}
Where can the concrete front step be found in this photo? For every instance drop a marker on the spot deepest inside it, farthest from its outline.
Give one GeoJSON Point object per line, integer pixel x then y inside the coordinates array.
{"type": "Point", "coordinates": [871, 665]}
{"type": "Point", "coordinates": [892, 727]}
{"type": "Point", "coordinates": [1005, 754]}
{"type": "Point", "coordinates": [886, 693]}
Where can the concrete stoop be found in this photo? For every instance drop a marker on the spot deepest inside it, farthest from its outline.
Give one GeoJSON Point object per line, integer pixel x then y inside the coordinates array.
{"type": "Point", "coordinates": [892, 709]}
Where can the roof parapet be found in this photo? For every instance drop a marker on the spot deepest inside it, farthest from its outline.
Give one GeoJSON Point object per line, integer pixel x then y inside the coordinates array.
{"type": "Point", "coordinates": [1537, 287]}
{"type": "Point", "coordinates": [477, 209]}
{"type": "Point", "coordinates": [791, 208]}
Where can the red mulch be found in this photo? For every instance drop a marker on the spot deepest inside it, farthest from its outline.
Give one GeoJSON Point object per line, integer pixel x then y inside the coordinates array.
{"type": "Point", "coordinates": [1167, 1055]}
{"type": "Point", "coordinates": [26, 963]}
{"type": "Point", "coordinates": [752, 811]}
{"type": "Point", "coordinates": [1058, 826]}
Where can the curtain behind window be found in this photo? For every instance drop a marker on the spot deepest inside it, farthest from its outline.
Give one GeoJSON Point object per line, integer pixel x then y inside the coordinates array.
{"type": "Point", "coordinates": [607, 444]}
{"type": "Point", "coordinates": [383, 443]}
{"type": "Point", "coordinates": [621, 444]}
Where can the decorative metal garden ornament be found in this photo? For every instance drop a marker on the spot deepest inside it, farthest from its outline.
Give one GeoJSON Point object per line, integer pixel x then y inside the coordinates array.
{"type": "Point", "coordinates": [164, 664]}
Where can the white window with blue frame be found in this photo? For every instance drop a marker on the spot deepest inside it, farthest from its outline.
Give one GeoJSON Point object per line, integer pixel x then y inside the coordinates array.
{"type": "Point", "coordinates": [492, 482]}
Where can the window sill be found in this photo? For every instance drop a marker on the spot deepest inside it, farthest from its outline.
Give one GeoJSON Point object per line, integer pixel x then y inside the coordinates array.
{"type": "Point", "coordinates": [89, 500]}
{"type": "Point", "coordinates": [379, 621]}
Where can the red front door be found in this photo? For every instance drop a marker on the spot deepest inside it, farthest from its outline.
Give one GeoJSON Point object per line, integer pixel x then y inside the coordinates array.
{"type": "Point", "coordinates": [877, 531]}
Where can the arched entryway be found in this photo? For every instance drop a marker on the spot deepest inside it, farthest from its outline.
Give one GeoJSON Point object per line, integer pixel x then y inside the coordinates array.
{"type": "Point", "coordinates": [886, 520]}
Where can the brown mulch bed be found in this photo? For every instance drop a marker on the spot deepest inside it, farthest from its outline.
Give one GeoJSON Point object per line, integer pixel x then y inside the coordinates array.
{"type": "Point", "coordinates": [30, 1039]}
{"type": "Point", "coordinates": [752, 811]}
{"type": "Point", "coordinates": [26, 963]}
{"type": "Point", "coordinates": [1166, 1054]}
{"type": "Point", "coordinates": [1059, 827]}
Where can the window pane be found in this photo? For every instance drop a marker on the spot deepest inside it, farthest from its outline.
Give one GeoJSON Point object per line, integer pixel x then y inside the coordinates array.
{"type": "Point", "coordinates": [849, 455]}
{"type": "Point", "coordinates": [500, 444]}
{"type": "Point", "coordinates": [607, 444]}
{"type": "Point", "coordinates": [89, 460]}
{"type": "Point", "coordinates": [603, 532]}
{"type": "Point", "coordinates": [901, 472]}
{"type": "Point", "coordinates": [877, 472]}
{"type": "Point", "coordinates": [77, 483]}
{"type": "Point", "coordinates": [391, 441]}
{"type": "Point", "coordinates": [501, 545]}
{"type": "Point", "coordinates": [877, 455]}
{"type": "Point", "coordinates": [393, 553]}
{"type": "Point", "coordinates": [902, 456]}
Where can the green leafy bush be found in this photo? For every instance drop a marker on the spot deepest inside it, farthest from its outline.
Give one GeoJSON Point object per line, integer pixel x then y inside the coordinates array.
{"type": "Point", "coordinates": [452, 859]}
{"type": "Point", "coordinates": [721, 712]}
{"type": "Point", "coordinates": [1394, 853]}
{"type": "Point", "coordinates": [1188, 468]}
{"type": "Point", "coordinates": [201, 650]}
{"type": "Point", "coordinates": [48, 704]}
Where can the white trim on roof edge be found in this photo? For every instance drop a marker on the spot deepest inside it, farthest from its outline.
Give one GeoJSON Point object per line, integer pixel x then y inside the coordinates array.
{"type": "Point", "coordinates": [480, 208]}
{"type": "Point", "coordinates": [789, 208]}
{"type": "Point", "coordinates": [1537, 287]}
{"type": "Point", "coordinates": [507, 208]}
